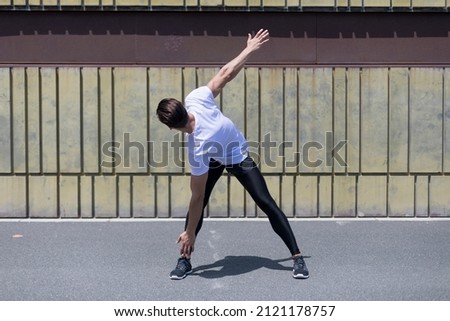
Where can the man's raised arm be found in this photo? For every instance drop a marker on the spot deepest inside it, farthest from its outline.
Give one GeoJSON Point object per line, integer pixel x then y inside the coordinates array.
{"type": "Point", "coordinates": [232, 68]}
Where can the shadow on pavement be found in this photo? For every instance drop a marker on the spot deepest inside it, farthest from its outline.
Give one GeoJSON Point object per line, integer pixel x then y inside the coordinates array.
{"type": "Point", "coordinates": [237, 265]}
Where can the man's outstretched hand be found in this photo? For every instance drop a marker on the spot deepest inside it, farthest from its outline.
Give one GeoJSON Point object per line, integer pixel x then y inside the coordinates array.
{"type": "Point", "coordinates": [261, 37]}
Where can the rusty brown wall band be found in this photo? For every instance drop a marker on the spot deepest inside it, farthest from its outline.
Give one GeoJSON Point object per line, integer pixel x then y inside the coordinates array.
{"type": "Point", "coordinates": [208, 38]}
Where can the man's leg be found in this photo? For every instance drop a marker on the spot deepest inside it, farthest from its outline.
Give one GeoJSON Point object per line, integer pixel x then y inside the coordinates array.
{"type": "Point", "coordinates": [250, 177]}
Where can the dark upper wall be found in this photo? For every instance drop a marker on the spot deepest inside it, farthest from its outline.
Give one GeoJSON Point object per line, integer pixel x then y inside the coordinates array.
{"type": "Point", "coordinates": [208, 38]}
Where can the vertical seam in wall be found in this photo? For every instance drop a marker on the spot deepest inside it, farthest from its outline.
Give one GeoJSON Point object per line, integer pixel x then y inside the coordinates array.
{"type": "Point", "coordinates": [117, 200]}
{"type": "Point", "coordinates": [131, 188]}
{"type": "Point", "coordinates": [408, 161]}
{"type": "Point", "coordinates": [58, 138]}
{"type": "Point", "coordinates": [148, 117]}
{"type": "Point", "coordinates": [297, 138]}
{"type": "Point", "coordinates": [27, 143]}
{"type": "Point", "coordinates": [11, 121]}
{"type": "Point", "coordinates": [388, 120]}
{"type": "Point", "coordinates": [443, 123]}
{"type": "Point", "coordinates": [58, 148]}
{"type": "Point", "coordinates": [113, 128]}
{"type": "Point", "coordinates": [79, 196]}
{"type": "Point", "coordinates": [346, 120]}
{"type": "Point", "coordinates": [333, 128]}
{"type": "Point", "coordinates": [81, 122]}
{"type": "Point", "coordinates": [360, 122]}
{"type": "Point", "coordinates": [99, 122]}
{"type": "Point", "coordinates": [41, 160]}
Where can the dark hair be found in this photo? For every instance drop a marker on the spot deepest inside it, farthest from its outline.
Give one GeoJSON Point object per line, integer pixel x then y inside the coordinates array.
{"type": "Point", "coordinates": [172, 113]}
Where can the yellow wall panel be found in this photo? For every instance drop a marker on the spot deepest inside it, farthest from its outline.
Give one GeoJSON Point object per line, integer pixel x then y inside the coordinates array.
{"type": "Point", "coordinates": [344, 196]}
{"type": "Point", "coordinates": [306, 192]}
{"type": "Point", "coordinates": [33, 114]}
{"type": "Point", "coordinates": [235, 3]}
{"type": "Point", "coordinates": [49, 121]}
{"type": "Point", "coordinates": [401, 3]}
{"type": "Point", "coordinates": [439, 196]}
{"type": "Point", "coordinates": [421, 196]}
{"type": "Point", "coordinates": [271, 119]}
{"type": "Point", "coordinates": [69, 119]}
{"type": "Point", "coordinates": [105, 189]}
{"type": "Point", "coordinates": [377, 3]}
{"type": "Point", "coordinates": [163, 196]}
{"type": "Point", "coordinates": [232, 101]}
{"type": "Point", "coordinates": [371, 196]}
{"type": "Point", "coordinates": [273, 3]}
{"type": "Point", "coordinates": [401, 196]}
{"type": "Point", "coordinates": [237, 198]}
{"type": "Point", "coordinates": [252, 130]}
{"type": "Point", "coordinates": [89, 117]}
{"type": "Point", "coordinates": [353, 120]}
{"type": "Point", "coordinates": [288, 195]}
{"type": "Point", "coordinates": [13, 201]}
{"type": "Point", "coordinates": [43, 196]}
{"type": "Point", "coordinates": [218, 202]}
{"type": "Point", "coordinates": [180, 195]}
{"type": "Point", "coordinates": [429, 3]}
{"type": "Point", "coordinates": [87, 196]}
{"type": "Point", "coordinates": [374, 120]}
{"type": "Point", "coordinates": [108, 155]}
{"type": "Point", "coordinates": [398, 116]}
{"type": "Point", "coordinates": [70, 2]}
{"type": "Point", "coordinates": [290, 150]}
{"type": "Point", "coordinates": [131, 2]}
{"type": "Point", "coordinates": [325, 196]}
{"type": "Point", "coordinates": [210, 2]}
{"type": "Point", "coordinates": [50, 2]}
{"type": "Point", "coordinates": [68, 197]}
{"type": "Point", "coordinates": [317, 3]}
{"type": "Point", "coordinates": [144, 196]}
{"type": "Point", "coordinates": [5, 121]}
{"type": "Point", "coordinates": [92, 2]}
{"type": "Point", "coordinates": [446, 115]}
{"type": "Point", "coordinates": [340, 120]}
{"type": "Point", "coordinates": [124, 197]}
{"type": "Point", "coordinates": [167, 2]}
{"type": "Point", "coordinates": [130, 118]}
{"type": "Point", "coordinates": [426, 119]}
{"type": "Point", "coordinates": [19, 120]}
{"type": "Point", "coordinates": [164, 83]}
{"type": "Point", "coordinates": [315, 112]}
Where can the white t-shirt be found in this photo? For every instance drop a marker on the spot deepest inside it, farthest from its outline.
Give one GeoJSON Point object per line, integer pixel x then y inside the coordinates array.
{"type": "Point", "coordinates": [214, 136]}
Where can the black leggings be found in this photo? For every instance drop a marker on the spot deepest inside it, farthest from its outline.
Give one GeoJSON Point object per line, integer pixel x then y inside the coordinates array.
{"type": "Point", "coordinates": [250, 177]}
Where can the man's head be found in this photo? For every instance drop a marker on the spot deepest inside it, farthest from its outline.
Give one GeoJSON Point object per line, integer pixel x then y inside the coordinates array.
{"type": "Point", "coordinates": [172, 113]}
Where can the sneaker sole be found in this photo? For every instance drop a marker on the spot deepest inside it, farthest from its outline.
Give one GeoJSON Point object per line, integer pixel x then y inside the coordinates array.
{"type": "Point", "coordinates": [300, 276]}
{"type": "Point", "coordinates": [175, 277]}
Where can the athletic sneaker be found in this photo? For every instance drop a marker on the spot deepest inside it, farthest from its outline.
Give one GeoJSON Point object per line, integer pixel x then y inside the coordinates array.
{"type": "Point", "coordinates": [300, 270]}
{"type": "Point", "coordinates": [182, 269]}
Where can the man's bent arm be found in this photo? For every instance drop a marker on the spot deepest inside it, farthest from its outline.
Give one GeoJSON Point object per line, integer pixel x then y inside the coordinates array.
{"type": "Point", "coordinates": [232, 68]}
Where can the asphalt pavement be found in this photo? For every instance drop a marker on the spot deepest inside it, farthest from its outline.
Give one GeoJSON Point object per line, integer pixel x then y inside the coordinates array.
{"type": "Point", "coordinates": [233, 260]}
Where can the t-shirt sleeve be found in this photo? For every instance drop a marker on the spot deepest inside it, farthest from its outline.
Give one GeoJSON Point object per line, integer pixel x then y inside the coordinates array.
{"type": "Point", "coordinates": [198, 162]}
{"type": "Point", "coordinates": [202, 96]}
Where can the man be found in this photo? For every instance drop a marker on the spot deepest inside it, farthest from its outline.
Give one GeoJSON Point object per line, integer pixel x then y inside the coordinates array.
{"type": "Point", "coordinates": [214, 144]}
